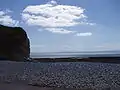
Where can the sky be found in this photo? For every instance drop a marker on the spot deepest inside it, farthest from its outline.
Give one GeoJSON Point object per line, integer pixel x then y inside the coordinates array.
{"type": "Point", "coordinates": [65, 25]}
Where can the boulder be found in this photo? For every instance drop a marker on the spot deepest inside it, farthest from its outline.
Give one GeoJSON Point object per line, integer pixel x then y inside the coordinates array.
{"type": "Point", "coordinates": [14, 43]}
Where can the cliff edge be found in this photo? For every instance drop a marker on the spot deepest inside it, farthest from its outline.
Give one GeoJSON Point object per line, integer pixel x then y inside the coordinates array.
{"type": "Point", "coordinates": [14, 43]}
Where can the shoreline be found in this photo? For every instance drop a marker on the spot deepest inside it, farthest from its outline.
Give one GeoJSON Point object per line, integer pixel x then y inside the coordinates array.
{"type": "Point", "coordinates": [73, 59]}
{"type": "Point", "coordinates": [77, 59]}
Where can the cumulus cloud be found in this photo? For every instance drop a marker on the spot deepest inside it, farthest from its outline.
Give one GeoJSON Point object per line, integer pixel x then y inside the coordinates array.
{"type": "Point", "coordinates": [84, 34]}
{"type": "Point", "coordinates": [59, 30]}
{"type": "Point", "coordinates": [54, 16]}
{"type": "Point", "coordinates": [6, 19]}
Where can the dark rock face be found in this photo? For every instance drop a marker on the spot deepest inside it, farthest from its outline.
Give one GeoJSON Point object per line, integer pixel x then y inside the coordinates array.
{"type": "Point", "coordinates": [14, 43]}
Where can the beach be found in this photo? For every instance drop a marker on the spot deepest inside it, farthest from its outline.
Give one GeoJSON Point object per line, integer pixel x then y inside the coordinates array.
{"type": "Point", "coordinates": [68, 75]}
{"type": "Point", "coordinates": [27, 87]}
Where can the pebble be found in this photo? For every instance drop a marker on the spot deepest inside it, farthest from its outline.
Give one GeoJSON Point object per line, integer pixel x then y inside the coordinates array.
{"type": "Point", "coordinates": [79, 75]}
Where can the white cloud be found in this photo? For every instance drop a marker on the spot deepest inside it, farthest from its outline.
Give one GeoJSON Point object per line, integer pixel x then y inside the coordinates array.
{"type": "Point", "coordinates": [53, 2]}
{"type": "Point", "coordinates": [88, 23]}
{"type": "Point", "coordinates": [59, 30]}
{"type": "Point", "coordinates": [52, 15]}
{"type": "Point", "coordinates": [1, 13]}
{"type": "Point", "coordinates": [84, 34]}
{"type": "Point", "coordinates": [6, 19]}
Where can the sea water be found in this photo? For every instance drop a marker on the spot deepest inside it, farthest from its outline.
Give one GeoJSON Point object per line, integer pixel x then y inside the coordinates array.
{"type": "Point", "coordinates": [73, 54]}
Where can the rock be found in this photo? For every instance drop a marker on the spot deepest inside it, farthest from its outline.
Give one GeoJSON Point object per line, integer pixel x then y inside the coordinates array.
{"type": "Point", "coordinates": [14, 43]}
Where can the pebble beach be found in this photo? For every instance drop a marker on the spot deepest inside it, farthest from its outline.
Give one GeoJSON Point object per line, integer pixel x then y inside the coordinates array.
{"type": "Point", "coordinates": [69, 75]}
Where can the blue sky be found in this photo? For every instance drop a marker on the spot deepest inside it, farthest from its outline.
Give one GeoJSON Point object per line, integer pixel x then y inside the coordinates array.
{"type": "Point", "coordinates": [65, 25]}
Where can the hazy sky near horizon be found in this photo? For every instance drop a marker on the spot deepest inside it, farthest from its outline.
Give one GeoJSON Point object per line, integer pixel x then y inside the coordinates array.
{"type": "Point", "coordinates": [65, 25]}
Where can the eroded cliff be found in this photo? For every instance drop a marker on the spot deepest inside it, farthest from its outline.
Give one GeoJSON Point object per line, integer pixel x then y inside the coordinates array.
{"type": "Point", "coordinates": [14, 43]}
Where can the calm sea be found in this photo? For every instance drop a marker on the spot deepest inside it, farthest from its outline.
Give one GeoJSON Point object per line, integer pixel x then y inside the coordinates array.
{"type": "Point", "coordinates": [74, 54]}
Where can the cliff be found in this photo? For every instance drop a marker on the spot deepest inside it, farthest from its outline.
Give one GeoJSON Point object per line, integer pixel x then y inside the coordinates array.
{"type": "Point", "coordinates": [14, 43]}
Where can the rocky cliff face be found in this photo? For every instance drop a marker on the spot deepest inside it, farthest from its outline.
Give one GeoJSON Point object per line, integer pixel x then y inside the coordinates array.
{"type": "Point", "coordinates": [14, 43]}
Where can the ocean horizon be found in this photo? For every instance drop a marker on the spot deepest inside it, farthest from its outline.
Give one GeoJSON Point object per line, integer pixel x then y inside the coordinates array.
{"type": "Point", "coordinates": [74, 54]}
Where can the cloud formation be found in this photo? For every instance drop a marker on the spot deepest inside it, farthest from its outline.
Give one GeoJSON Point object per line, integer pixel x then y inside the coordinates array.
{"type": "Point", "coordinates": [84, 34]}
{"type": "Point", "coordinates": [6, 19]}
{"type": "Point", "coordinates": [59, 30]}
{"type": "Point", "coordinates": [54, 17]}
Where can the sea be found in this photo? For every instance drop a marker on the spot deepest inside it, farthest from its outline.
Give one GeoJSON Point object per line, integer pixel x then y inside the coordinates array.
{"type": "Point", "coordinates": [75, 54]}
